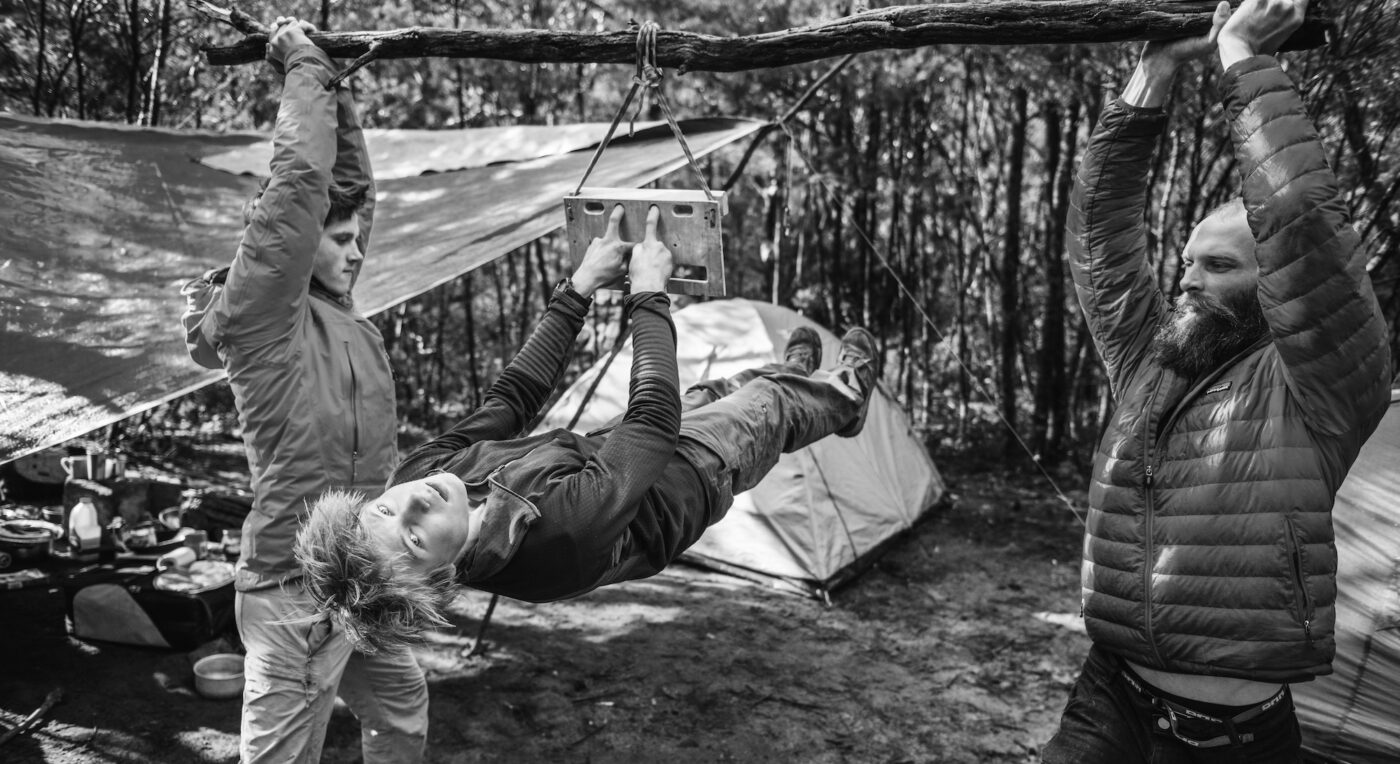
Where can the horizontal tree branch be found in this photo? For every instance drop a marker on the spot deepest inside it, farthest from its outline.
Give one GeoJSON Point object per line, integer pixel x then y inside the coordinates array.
{"type": "Point", "coordinates": [1007, 22]}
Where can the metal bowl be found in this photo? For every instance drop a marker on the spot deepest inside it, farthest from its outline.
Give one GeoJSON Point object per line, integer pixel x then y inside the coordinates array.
{"type": "Point", "coordinates": [219, 676]}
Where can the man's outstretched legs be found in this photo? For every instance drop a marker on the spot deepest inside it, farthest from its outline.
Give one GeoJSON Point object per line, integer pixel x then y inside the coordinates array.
{"type": "Point", "coordinates": [803, 355]}
{"type": "Point", "coordinates": [729, 443]}
{"type": "Point", "coordinates": [780, 412]}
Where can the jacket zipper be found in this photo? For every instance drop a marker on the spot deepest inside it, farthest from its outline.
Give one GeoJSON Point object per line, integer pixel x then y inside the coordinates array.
{"type": "Point", "coordinates": [1150, 448]}
{"type": "Point", "coordinates": [1300, 584]}
{"type": "Point", "coordinates": [354, 416]}
{"type": "Point", "coordinates": [1149, 509]}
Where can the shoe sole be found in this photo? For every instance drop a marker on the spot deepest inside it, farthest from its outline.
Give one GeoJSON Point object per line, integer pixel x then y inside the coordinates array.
{"type": "Point", "coordinates": [854, 428]}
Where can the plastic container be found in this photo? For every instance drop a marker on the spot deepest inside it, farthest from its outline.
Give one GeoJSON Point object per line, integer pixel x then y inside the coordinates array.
{"type": "Point", "coordinates": [84, 531]}
{"type": "Point", "coordinates": [219, 676]}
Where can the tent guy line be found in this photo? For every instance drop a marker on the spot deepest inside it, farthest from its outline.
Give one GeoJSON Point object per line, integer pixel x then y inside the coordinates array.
{"type": "Point", "coordinates": [909, 295]}
{"type": "Point", "coordinates": [1006, 22]}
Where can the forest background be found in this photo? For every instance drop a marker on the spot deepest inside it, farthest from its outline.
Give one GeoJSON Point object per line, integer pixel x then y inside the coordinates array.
{"type": "Point", "coordinates": [944, 169]}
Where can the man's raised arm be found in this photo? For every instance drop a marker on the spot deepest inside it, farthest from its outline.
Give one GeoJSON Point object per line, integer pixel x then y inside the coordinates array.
{"type": "Point", "coordinates": [644, 441]}
{"type": "Point", "coordinates": [268, 282]}
{"type": "Point", "coordinates": [517, 396]}
{"type": "Point", "coordinates": [1316, 296]}
{"type": "Point", "coordinates": [352, 165]}
{"type": "Point", "coordinates": [1116, 286]}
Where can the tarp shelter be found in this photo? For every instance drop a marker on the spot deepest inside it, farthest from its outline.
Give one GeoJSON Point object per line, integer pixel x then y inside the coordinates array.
{"type": "Point", "coordinates": [101, 224]}
{"type": "Point", "coordinates": [822, 510]}
{"type": "Point", "coordinates": [1353, 715]}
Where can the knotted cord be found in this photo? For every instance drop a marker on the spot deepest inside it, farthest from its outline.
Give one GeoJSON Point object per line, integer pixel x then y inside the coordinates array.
{"type": "Point", "coordinates": [648, 75]}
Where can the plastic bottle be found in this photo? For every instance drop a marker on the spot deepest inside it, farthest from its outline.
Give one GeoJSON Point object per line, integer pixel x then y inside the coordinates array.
{"type": "Point", "coordinates": [84, 532]}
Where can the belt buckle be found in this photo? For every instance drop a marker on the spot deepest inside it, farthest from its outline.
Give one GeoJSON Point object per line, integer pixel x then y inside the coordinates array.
{"type": "Point", "coordinates": [1228, 738]}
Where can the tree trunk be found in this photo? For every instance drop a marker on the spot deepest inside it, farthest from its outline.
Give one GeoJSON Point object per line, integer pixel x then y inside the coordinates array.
{"type": "Point", "coordinates": [1040, 414]}
{"type": "Point", "coordinates": [133, 80]}
{"type": "Point", "coordinates": [443, 307]}
{"type": "Point", "coordinates": [503, 340]}
{"type": "Point", "coordinates": [1057, 295]}
{"type": "Point", "coordinates": [151, 110]}
{"type": "Point", "coordinates": [77, 25]}
{"type": "Point", "coordinates": [468, 307]}
{"type": "Point", "coordinates": [39, 57]}
{"type": "Point", "coordinates": [1010, 273]}
{"type": "Point", "coordinates": [546, 283]}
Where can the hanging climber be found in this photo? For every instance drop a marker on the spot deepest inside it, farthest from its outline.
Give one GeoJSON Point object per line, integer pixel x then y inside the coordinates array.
{"type": "Point", "coordinates": [555, 515]}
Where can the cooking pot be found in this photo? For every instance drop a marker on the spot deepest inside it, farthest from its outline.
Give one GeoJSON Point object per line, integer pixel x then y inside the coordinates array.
{"type": "Point", "coordinates": [25, 542]}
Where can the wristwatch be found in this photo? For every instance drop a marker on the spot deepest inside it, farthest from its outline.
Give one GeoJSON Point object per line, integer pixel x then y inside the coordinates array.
{"type": "Point", "coordinates": [565, 291]}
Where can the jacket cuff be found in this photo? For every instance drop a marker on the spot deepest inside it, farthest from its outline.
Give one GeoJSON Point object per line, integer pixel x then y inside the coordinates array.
{"type": "Point", "coordinates": [658, 302]}
{"type": "Point", "coordinates": [1138, 111]}
{"type": "Point", "coordinates": [1135, 121]}
{"type": "Point", "coordinates": [1247, 80]}
{"type": "Point", "coordinates": [570, 301]}
{"type": "Point", "coordinates": [1247, 66]}
{"type": "Point", "coordinates": [319, 64]}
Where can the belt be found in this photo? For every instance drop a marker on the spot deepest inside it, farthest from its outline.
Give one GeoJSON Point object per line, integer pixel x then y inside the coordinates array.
{"type": "Point", "coordinates": [1172, 712]}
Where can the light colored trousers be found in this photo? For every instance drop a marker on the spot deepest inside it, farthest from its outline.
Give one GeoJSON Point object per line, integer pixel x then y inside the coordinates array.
{"type": "Point", "coordinates": [294, 671]}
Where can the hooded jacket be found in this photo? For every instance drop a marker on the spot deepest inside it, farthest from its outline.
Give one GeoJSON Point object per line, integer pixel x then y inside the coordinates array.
{"type": "Point", "coordinates": [1209, 545]}
{"type": "Point", "coordinates": [310, 377]}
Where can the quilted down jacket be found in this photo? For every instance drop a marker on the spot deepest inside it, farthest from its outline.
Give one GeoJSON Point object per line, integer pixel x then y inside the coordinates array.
{"type": "Point", "coordinates": [310, 377]}
{"type": "Point", "coordinates": [1209, 546]}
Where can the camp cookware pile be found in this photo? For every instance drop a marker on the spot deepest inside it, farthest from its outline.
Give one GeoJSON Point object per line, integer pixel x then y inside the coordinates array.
{"type": "Point", "coordinates": [24, 542]}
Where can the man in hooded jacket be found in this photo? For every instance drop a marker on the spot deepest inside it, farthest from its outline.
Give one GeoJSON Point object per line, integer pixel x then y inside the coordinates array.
{"type": "Point", "coordinates": [315, 399]}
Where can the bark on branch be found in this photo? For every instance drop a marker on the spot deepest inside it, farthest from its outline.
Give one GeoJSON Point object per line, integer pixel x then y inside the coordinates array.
{"type": "Point", "coordinates": [1007, 22]}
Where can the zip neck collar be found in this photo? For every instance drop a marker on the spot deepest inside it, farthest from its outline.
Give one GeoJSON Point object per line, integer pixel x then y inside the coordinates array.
{"type": "Point", "coordinates": [1204, 381]}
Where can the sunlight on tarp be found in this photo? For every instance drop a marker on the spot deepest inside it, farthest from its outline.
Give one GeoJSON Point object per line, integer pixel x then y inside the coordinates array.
{"type": "Point", "coordinates": [406, 153]}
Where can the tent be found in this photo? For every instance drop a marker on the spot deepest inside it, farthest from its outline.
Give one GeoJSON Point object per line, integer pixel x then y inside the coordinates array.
{"type": "Point", "coordinates": [101, 223]}
{"type": "Point", "coordinates": [1353, 715]}
{"type": "Point", "coordinates": [823, 510]}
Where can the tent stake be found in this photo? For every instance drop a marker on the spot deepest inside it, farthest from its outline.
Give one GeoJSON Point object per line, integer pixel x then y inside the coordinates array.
{"type": "Point", "coordinates": [478, 646]}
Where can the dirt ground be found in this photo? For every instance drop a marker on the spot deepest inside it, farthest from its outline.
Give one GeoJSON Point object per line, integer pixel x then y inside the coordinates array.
{"type": "Point", "coordinates": [960, 645]}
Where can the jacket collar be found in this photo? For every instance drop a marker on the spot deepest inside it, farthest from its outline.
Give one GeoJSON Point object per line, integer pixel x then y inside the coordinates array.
{"type": "Point", "coordinates": [346, 301]}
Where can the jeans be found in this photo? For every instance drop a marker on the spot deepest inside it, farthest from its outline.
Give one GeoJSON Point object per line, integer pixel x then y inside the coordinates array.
{"type": "Point", "coordinates": [293, 672]}
{"type": "Point", "coordinates": [1107, 721]}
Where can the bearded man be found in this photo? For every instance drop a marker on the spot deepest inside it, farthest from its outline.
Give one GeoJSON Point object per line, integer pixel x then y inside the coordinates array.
{"type": "Point", "coordinates": [1209, 574]}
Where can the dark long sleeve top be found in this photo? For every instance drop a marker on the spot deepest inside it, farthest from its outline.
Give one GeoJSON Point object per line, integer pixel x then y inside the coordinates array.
{"type": "Point", "coordinates": [557, 505]}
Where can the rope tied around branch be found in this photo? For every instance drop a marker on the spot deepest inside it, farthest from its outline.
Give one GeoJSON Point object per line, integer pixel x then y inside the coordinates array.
{"type": "Point", "coordinates": [648, 75]}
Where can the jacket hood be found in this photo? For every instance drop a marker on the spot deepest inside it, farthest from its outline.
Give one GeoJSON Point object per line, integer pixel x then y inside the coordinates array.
{"type": "Point", "coordinates": [199, 295]}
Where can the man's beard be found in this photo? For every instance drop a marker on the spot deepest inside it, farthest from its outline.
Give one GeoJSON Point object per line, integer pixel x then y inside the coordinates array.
{"type": "Point", "coordinates": [1193, 343]}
